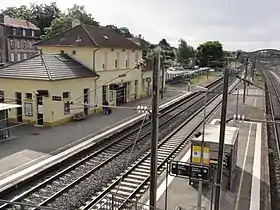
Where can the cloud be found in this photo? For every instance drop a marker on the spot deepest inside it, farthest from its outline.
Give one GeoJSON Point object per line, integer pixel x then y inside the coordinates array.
{"type": "Point", "coordinates": [239, 24]}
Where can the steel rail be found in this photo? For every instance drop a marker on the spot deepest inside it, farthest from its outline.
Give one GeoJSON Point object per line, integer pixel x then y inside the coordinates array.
{"type": "Point", "coordinates": [42, 184]}
{"type": "Point", "coordinates": [102, 194]}
{"type": "Point", "coordinates": [273, 107]}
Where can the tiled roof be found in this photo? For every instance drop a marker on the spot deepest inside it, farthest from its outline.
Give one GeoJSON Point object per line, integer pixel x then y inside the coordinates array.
{"type": "Point", "coordinates": [86, 35]}
{"type": "Point", "coordinates": [46, 67]}
{"type": "Point", "coordinates": [18, 23]}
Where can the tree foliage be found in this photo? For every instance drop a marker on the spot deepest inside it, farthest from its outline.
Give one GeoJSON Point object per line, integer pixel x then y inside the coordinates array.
{"type": "Point", "coordinates": [164, 43]}
{"type": "Point", "coordinates": [40, 15]}
{"type": "Point", "coordinates": [122, 30]}
{"type": "Point", "coordinates": [64, 21]}
{"type": "Point", "coordinates": [210, 53]}
{"type": "Point", "coordinates": [184, 52]}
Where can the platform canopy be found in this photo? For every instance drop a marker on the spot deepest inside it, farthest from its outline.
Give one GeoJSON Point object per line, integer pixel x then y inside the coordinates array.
{"type": "Point", "coordinates": [4, 106]}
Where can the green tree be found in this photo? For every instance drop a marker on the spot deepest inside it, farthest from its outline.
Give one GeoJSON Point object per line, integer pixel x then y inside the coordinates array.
{"type": "Point", "coordinates": [210, 53]}
{"type": "Point", "coordinates": [43, 15]}
{"type": "Point", "coordinates": [39, 14]}
{"type": "Point", "coordinates": [64, 22]}
{"type": "Point", "coordinates": [125, 32]}
{"type": "Point", "coordinates": [184, 52]}
{"type": "Point", "coordinates": [164, 43]}
{"type": "Point", "coordinates": [21, 12]}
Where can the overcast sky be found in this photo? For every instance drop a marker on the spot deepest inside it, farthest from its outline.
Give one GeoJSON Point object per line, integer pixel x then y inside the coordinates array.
{"type": "Point", "coordinates": [238, 24]}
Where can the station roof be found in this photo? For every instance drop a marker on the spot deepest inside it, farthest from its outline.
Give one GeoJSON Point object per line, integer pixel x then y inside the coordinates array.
{"type": "Point", "coordinates": [93, 36]}
{"type": "Point", "coordinates": [48, 67]}
{"type": "Point", "coordinates": [4, 106]}
{"type": "Point", "coordinates": [212, 134]}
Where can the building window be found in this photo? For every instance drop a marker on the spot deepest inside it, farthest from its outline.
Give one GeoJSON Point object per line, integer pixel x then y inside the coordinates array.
{"type": "Point", "coordinates": [136, 57]}
{"type": "Point", "coordinates": [18, 57]}
{"type": "Point", "coordinates": [32, 33]}
{"type": "Point", "coordinates": [29, 44]}
{"type": "Point", "coordinates": [66, 108]}
{"type": "Point", "coordinates": [66, 95]}
{"type": "Point", "coordinates": [14, 31]}
{"type": "Point", "coordinates": [18, 44]}
{"type": "Point", "coordinates": [116, 63]}
{"type": "Point", "coordinates": [28, 95]}
{"type": "Point", "coordinates": [23, 32]}
{"type": "Point", "coordinates": [12, 44]}
{"type": "Point", "coordinates": [126, 63]}
{"type": "Point", "coordinates": [24, 45]}
{"type": "Point", "coordinates": [12, 57]}
{"type": "Point", "coordinates": [126, 60]}
{"type": "Point", "coordinates": [24, 55]}
{"type": "Point", "coordinates": [74, 52]}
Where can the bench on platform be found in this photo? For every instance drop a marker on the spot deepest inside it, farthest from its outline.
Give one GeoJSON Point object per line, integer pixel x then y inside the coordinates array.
{"type": "Point", "coordinates": [79, 116]}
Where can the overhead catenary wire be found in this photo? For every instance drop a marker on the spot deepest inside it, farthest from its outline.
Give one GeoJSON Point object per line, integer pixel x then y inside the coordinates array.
{"type": "Point", "coordinates": [134, 144]}
{"type": "Point", "coordinates": [108, 82]}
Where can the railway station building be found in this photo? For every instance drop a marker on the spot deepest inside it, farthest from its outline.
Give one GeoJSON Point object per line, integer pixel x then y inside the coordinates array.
{"type": "Point", "coordinates": [112, 56]}
{"type": "Point", "coordinates": [51, 88]}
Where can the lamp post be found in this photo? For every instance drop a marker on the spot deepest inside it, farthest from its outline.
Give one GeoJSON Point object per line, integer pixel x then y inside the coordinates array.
{"type": "Point", "coordinates": [200, 186]}
{"type": "Point", "coordinates": [154, 139]}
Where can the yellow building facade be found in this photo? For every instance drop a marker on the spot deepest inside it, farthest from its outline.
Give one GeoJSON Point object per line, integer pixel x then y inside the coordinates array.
{"type": "Point", "coordinates": [49, 98]}
{"type": "Point", "coordinates": [110, 55]}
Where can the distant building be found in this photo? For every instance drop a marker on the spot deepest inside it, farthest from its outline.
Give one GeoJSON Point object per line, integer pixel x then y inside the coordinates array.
{"type": "Point", "coordinates": [16, 39]}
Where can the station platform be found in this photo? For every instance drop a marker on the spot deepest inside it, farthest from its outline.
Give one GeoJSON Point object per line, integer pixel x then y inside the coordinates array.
{"type": "Point", "coordinates": [251, 189]}
{"type": "Point", "coordinates": [36, 146]}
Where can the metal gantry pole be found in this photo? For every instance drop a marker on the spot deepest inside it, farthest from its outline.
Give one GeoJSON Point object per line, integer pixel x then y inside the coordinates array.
{"type": "Point", "coordinates": [237, 100]}
{"type": "Point", "coordinates": [245, 84]}
{"type": "Point", "coordinates": [200, 186]}
{"type": "Point", "coordinates": [154, 139]}
{"type": "Point", "coordinates": [221, 141]}
{"type": "Point", "coordinates": [162, 74]}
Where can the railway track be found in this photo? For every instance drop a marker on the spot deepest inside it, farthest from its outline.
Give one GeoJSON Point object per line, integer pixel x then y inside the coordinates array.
{"type": "Point", "coordinates": [55, 190]}
{"type": "Point", "coordinates": [131, 184]}
{"type": "Point", "coordinates": [273, 111]}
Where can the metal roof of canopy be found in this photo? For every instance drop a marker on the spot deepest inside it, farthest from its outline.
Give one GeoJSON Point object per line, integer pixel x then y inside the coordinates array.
{"type": "Point", "coordinates": [4, 106]}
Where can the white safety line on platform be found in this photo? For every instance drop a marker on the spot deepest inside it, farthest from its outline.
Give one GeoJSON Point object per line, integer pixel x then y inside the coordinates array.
{"type": "Point", "coordinates": [243, 169]}
{"type": "Point", "coordinates": [256, 175]}
{"type": "Point", "coordinates": [161, 189]}
{"type": "Point", "coordinates": [40, 166]}
{"type": "Point", "coordinates": [256, 179]}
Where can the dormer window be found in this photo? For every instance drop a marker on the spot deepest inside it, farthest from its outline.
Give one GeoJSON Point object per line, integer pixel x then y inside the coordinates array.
{"type": "Point", "coordinates": [14, 31]}
{"type": "Point", "coordinates": [23, 32]}
{"type": "Point", "coordinates": [78, 40]}
{"type": "Point", "coordinates": [106, 37]}
{"type": "Point", "coordinates": [32, 33]}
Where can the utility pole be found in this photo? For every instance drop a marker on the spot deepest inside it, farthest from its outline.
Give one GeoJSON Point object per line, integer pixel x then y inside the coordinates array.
{"type": "Point", "coordinates": [161, 65]}
{"type": "Point", "coordinates": [154, 139]}
{"type": "Point", "coordinates": [221, 141]}
{"type": "Point", "coordinates": [245, 84]}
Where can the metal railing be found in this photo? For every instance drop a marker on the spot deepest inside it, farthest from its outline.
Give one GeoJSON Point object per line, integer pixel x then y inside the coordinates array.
{"type": "Point", "coordinates": [114, 202]}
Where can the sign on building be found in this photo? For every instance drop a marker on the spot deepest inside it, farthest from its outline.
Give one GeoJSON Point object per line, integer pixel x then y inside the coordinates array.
{"type": "Point", "coordinates": [196, 154]}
